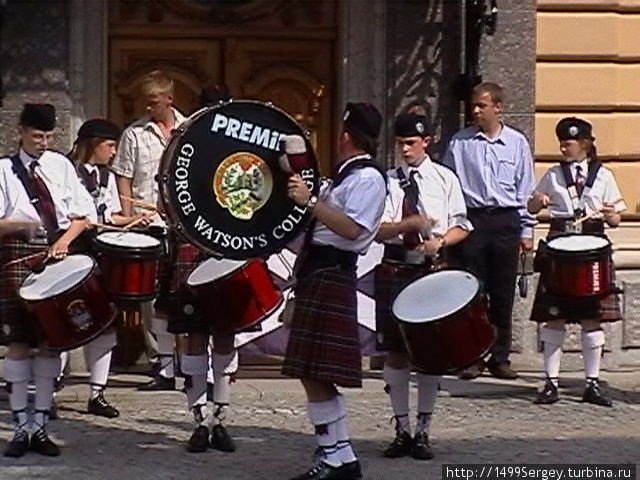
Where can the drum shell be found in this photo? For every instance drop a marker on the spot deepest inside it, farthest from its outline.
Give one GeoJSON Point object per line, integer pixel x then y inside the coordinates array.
{"type": "Point", "coordinates": [585, 273]}
{"type": "Point", "coordinates": [452, 343]}
{"type": "Point", "coordinates": [238, 300]}
{"type": "Point", "coordinates": [57, 330]}
{"type": "Point", "coordinates": [130, 273]}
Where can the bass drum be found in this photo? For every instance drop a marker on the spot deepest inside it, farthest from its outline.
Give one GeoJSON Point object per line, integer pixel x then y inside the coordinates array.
{"type": "Point", "coordinates": [221, 183]}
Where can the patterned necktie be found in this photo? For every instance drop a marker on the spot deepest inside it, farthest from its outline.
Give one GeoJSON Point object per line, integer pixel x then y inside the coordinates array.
{"type": "Point", "coordinates": [579, 180]}
{"type": "Point", "coordinates": [46, 209]}
{"type": "Point", "coordinates": [410, 207]}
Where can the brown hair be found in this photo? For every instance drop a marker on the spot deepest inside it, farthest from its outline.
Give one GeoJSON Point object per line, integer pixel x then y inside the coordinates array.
{"type": "Point", "coordinates": [493, 89]}
{"type": "Point", "coordinates": [590, 147]}
{"type": "Point", "coordinates": [156, 82]}
{"type": "Point", "coordinates": [84, 148]}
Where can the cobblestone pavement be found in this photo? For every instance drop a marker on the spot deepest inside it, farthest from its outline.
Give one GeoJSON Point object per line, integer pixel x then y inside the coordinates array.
{"type": "Point", "coordinates": [484, 421]}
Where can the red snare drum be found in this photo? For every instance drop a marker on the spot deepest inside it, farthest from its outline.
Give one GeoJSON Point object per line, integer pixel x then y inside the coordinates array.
{"type": "Point", "coordinates": [578, 266]}
{"type": "Point", "coordinates": [234, 294]}
{"type": "Point", "coordinates": [129, 262]}
{"type": "Point", "coordinates": [443, 319]}
{"type": "Point", "coordinates": [69, 302]}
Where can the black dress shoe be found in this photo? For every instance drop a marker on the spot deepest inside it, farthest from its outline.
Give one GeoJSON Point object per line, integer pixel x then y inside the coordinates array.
{"type": "Point", "coordinates": [42, 444]}
{"type": "Point", "coordinates": [502, 370]}
{"type": "Point", "coordinates": [321, 471]}
{"type": "Point", "coordinates": [18, 446]}
{"type": "Point", "coordinates": [474, 371]}
{"type": "Point", "coordinates": [548, 395]}
{"type": "Point", "coordinates": [420, 449]}
{"type": "Point", "coordinates": [199, 440]}
{"type": "Point", "coordinates": [221, 440]}
{"type": "Point", "coordinates": [400, 447]}
{"type": "Point", "coordinates": [349, 471]}
{"type": "Point", "coordinates": [159, 383]}
{"type": "Point", "coordinates": [593, 394]}
{"type": "Point", "coordinates": [100, 407]}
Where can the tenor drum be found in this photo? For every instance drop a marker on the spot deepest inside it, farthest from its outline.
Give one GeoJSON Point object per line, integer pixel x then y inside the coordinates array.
{"type": "Point", "coordinates": [444, 321]}
{"type": "Point", "coordinates": [234, 295]}
{"type": "Point", "coordinates": [578, 266]}
{"type": "Point", "coordinates": [69, 303]}
{"type": "Point", "coordinates": [129, 263]}
{"type": "Point", "coordinates": [221, 183]}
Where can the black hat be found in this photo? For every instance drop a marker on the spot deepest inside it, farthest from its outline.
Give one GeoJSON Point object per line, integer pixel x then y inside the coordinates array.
{"type": "Point", "coordinates": [214, 94]}
{"type": "Point", "coordinates": [411, 125]}
{"type": "Point", "coordinates": [364, 118]}
{"type": "Point", "coordinates": [41, 116]}
{"type": "Point", "coordinates": [99, 128]}
{"type": "Point", "coordinates": [573, 128]}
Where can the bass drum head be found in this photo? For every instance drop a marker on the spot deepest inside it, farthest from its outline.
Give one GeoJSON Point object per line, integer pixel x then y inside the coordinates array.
{"type": "Point", "coordinates": [435, 296]}
{"type": "Point", "coordinates": [221, 183]}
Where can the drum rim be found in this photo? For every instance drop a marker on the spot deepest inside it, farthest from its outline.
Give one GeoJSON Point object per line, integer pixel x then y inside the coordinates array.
{"type": "Point", "coordinates": [479, 293]}
{"type": "Point", "coordinates": [138, 247]}
{"type": "Point", "coordinates": [597, 250]}
{"type": "Point", "coordinates": [90, 272]}
{"type": "Point", "coordinates": [245, 265]}
{"type": "Point", "coordinates": [172, 217]}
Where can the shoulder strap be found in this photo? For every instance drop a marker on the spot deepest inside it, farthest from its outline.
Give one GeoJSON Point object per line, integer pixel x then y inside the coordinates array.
{"type": "Point", "coordinates": [85, 178]}
{"type": "Point", "coordinates": [579, 202]}
{"type": "Point", "coordinates": [594, 168]}
{"type": "Point", "coordinates": [355, 165]}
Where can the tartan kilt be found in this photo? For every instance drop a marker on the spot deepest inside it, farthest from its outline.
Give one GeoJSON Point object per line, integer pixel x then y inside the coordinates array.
{"type": "Point", "coordinates": [324, 342]}
{"type": "Point", "coordinates": [390, 278]}
{"type": "Point", "coordinates": [16, 322]}
{"type": "Point", "coordinates": [175, 299]}
{"type": "Point", "coordinates": [548, 307]}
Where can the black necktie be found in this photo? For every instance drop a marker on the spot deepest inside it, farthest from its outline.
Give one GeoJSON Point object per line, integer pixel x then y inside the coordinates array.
{"type": "Point", "coordinates": [45, 208]}
{"type": "Point", "coordinates": [410, 207]}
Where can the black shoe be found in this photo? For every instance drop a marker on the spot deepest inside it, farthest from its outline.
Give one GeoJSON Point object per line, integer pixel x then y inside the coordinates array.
{"type": "Point", "coordinates": [420, 449]}
{"type": "Point", "coordinates": [502, 370]}
{"type": "Point", "coordinates": [42, 444]}
{"type": "Point", "coordinates": [349, 471]}
{"type": "Point", "coordinates": [18, 446]}
{"type": "Point", "coordinates": [548, 395]}
{"type": "Point", "coordinates": [322, 471]}
{"type": "Point", "coordinates": [400, 447]}
{"type": "Point", "coordinates": [474, 371]}
{"type": "Point", "coordinates": [221, 440]}
{"type": "Point", "coordinates": [100, 407]}
{"type": "Point", "coordinates": [159, 383]}
{"type": "Point", "coordinates": [199, 440]}
{"type": "Point", "coordinates": [593, 394]}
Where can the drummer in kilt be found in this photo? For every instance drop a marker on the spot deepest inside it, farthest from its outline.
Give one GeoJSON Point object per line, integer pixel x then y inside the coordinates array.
{"type": "Point", "coordinates": [43, 208]}
{"type": "Point", "coordinates": [324, 348]}
{"type": "Point", "coordinates": [424, 212]}
{"type": "Point", "coordinates": [579, 186]}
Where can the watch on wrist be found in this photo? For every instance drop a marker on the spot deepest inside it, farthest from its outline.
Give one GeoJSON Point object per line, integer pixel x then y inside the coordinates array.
{"type": "Point", "coordinates": [311, 203]}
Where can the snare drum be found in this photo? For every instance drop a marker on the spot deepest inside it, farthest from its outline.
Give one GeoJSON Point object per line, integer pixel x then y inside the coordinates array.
{"type": "Point", "coordinates": [69, 303]}
{"type": "Point", "coordinates": [444, 322]}
{"type": "Point", "coordinates": [234, 294]}
{"type": "Point", "coordinates": [129, 262]}
{"type": "Point", "coordinates": [578, 266]}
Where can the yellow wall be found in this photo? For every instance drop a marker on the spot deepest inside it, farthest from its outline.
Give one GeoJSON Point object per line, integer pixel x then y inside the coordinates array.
{"type": "Point", "coordinates": [588, 65]}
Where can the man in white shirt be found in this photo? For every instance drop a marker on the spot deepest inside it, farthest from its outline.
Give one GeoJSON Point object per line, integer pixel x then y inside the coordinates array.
{"type": "Point", "coordinates": [37, 187]}
{"type": "Point", "coordinates": [136, 165]}
{"type": "Point", "coordinates": [424, 212]}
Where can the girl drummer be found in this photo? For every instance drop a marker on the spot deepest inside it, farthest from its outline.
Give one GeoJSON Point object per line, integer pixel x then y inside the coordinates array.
{"type": "Point", "coordinates": [93, 150]}
{"type": "Point", "coordinates": [581, 196]}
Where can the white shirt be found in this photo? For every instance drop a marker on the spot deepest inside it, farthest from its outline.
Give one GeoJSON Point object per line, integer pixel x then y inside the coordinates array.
{"type": "Point", "coordinates": [108, 196]}
{"type": "Point", "coordinates": [360, 196]}
{"type": "Point", "coordinates": [69, 196]}
{"type": "Point", "coordinates": [139, 151]}
{"type": "Point", "coordinates": [605, 189]}
{"type": "Point", "coordinates": [440, 197]}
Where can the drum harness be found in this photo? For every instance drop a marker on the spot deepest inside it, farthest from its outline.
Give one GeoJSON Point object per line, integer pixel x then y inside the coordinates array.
{"type": "Point", "coordinates": [96, 189]}
{"type": "Point", "coordinates": [578, 199]}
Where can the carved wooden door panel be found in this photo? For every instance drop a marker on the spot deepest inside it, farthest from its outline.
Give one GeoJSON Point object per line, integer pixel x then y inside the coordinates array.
{"type": "Point", "coordinates": [192, 63]}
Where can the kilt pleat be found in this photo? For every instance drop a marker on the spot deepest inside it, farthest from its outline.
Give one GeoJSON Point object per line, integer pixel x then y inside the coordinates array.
{"type": "Point", "coordinates": [324, 343]}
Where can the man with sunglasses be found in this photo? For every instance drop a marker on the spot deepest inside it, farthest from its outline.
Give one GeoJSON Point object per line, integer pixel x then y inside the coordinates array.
{"type": "Point", "coordinates": [424, 212]}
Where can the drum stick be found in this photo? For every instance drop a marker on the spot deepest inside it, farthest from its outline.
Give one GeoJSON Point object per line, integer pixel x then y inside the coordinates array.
{"type": "Point", "coordinates": [108, 227]}
{"type": "Point", "coordinates": [24, 259]}
{"type": "Point", "coordinates": [134, 223]}
{"type": "Point", "coordinates": [589, 215]}
{"type": "Point", "coordinates": [145, 205]}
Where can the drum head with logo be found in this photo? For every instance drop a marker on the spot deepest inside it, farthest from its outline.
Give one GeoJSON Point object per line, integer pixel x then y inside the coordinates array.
{"type": "Point", "coordinates": [221, 183]}
{"type": "Point", "coordinates": [435, 296]}
{"type": "Point", "coordinates": [57, 278]}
